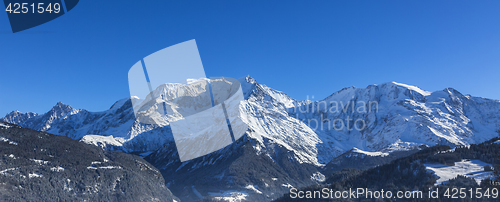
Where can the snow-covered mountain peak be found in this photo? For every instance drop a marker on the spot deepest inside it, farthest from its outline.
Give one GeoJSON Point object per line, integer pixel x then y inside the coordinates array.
{"type": "Point", "coordinates": [17, 113]}
{"type": "Point", "coordinates": [253, 91]}
{"type": "Point", "coordinates": [16, 117]}
{"type": "Point", "coordinates": [342, 95]}
{"type": "Point", "coordinates": [62, 107]}
{"type": "Point", "coordinates": [413, 88]}
{"type": "Point", "coordinates": [123, 102]}
{"type": "Point", "coordinates": [390, 91]}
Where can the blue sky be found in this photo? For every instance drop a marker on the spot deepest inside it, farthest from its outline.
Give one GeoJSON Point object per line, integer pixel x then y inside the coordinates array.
{"type": "Point", "coordinates": [300, 47]}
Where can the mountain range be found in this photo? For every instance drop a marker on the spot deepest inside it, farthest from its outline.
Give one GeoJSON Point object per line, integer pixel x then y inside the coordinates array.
{"type": "Point", "coordinates": [289, 143]}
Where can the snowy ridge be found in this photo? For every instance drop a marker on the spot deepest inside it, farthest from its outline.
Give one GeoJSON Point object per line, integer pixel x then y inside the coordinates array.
{"type": "Point", "coordinates": [403, 115]}
{"type": "Point", "coordinates": [115, 128]}
{"type": "Point", "coordinates": [4, 125]}
{"type": "Point", "coordinates": [382, 154]}
{"type": "Point", "coordinates": [413, 88]}
{"type": "Point", "coordinates": [101, 141]}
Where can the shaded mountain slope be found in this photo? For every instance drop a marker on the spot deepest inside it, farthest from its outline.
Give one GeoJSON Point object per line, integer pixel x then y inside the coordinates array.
{"type": "Point", "coordinates": [38, 166]}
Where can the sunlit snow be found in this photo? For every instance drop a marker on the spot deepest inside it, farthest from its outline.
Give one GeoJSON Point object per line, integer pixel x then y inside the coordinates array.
{"type": "Point", "coordinates": [468, 168]}
{"type": "Point", "coordinates": [230, 196]}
